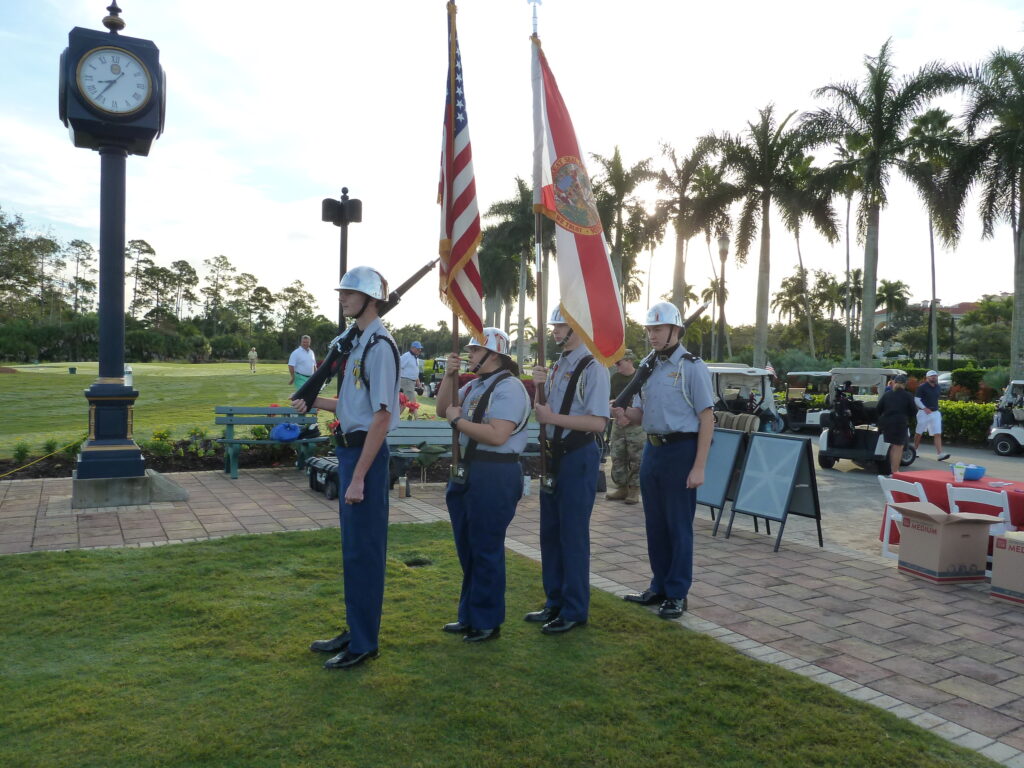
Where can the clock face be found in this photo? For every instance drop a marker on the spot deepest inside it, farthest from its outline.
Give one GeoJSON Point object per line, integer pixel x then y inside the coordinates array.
{"type": "Point", "coordinates": [114, 81]}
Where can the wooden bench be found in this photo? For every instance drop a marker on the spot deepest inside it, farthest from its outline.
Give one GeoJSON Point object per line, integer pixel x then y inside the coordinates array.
{"type": "Point", "coordinates": [404, 441]}
{"type": "Point", "coordinates": [231, 416]}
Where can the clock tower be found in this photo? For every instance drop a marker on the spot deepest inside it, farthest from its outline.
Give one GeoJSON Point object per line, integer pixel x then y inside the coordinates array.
{"type": "Point", "coordinates": [111, 98]}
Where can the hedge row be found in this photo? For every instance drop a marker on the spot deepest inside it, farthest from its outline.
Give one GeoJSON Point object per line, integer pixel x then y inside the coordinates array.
{"type": "Point", "coordinates": [966, 422]}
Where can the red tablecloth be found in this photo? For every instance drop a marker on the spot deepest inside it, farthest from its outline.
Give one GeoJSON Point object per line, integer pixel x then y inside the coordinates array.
{"type": "Point", "coordinates": [934, 483]}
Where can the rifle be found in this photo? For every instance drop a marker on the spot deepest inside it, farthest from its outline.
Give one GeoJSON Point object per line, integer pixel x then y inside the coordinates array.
{"type": "Point", "coordinates": [341, 344]}
{"type": "Point", "coordinates": [647, 365]}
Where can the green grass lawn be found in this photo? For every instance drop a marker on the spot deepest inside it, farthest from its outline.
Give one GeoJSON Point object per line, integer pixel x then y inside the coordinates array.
{"type": "Point", "coordinates": [44, 402]}
{"type": "Point", "coordinates": [196, 655]}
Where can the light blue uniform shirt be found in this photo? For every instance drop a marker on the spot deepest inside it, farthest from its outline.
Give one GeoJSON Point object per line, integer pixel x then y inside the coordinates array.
{"type": "Point", "coordinates": [675, 394]}
{"type": "Point", "coordinates": [509, 401]}
{"type": "Point", "coordinates": [592, 393]}
{"type": "Point", "coordinates": [356, 403]}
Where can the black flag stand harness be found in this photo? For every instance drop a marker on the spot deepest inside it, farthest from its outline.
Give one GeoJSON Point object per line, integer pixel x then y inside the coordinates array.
{"type": "Point", "coordinates": [566, 441]}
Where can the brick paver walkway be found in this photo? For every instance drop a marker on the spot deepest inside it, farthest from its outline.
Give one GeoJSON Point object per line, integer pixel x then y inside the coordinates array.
{"type": "Point", "coordinates": [946, 657]}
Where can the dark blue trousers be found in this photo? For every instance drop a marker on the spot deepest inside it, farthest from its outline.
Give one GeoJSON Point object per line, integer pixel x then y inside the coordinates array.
{"type": "Point", "coordinates": [364, 543]}
{"type": "Point", "coordinates": [668, 513]}
{"type": "Point", "coordinates": [481, 510]}
{"type": "Point", "coordinates": [565, 533]}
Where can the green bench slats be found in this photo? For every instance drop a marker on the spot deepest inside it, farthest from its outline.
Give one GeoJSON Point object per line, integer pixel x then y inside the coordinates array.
{"type": "Point", "coordinates": [247, 415]}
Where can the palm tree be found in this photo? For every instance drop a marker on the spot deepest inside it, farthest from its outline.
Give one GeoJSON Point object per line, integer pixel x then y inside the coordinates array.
{"type": "Point", "coordinates": [853, 294]}
{"type": "Point", "coordinates": [499, 274]}
{"type": "Point", "coordinates": [807, 196]}
{"type": "Point", "coordinates": [514, 235]}
{"type": "Point", "coordinates": [788, 301]}
{"type": "Point", "coordinates": [848, 183]}
{"type": "Point", "coordinates": [878, 113]}
{"type": "Point", "coordinates": [932, 142]}
{"type": "Point", "coordinates": [679, 182]}
{"type": "Point", "coordinates": [994, 160]}
{"type": "Point", "coordinates": [894, 296]}
{"type": "Point", "coordinates": [761, 162]}
{"type": "Point", "coordinates": [828, 293]}
{"type": "Point", "coordinates": [616, 186]}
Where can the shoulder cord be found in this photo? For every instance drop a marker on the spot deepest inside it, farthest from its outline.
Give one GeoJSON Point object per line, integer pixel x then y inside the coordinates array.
{"type": "Point", "coordinates": [570, 391]}
{"type": "Point", "coordinates": [481, 407]}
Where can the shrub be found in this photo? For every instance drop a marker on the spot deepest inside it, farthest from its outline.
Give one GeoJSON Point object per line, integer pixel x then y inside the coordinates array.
{"type": "Point", "coordinates": [160, 448]}
{"type": "Point", "coordinates": [21, 451]}
{"type": "Point", "coordinates": [73, 449]}
{"type": "Point", "coordinates": [50, 446]}
{"type": "Point", "coordinates": [969, 378]}
{"type": "Point", "coordinates": [998, 377]}
{"type": "Point", "coordinates": [259, 432]}
{"type": "Point", "coordinates": [966, 422]}
{"type": "Point", "coordinates": [162, 435]}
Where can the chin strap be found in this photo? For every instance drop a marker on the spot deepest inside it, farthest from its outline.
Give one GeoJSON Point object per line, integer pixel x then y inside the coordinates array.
{"type": "Point", "coordinates": [563, 341]}
{"type": "Point", "coordinates": [487, 354]}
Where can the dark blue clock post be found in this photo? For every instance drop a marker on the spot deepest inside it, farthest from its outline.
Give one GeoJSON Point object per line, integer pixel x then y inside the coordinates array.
{"type": "Point", "coordinates": [112, 100]}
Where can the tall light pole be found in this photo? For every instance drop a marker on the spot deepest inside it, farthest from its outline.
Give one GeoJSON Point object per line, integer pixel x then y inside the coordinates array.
{"type": "Point", "coordinates": [723, 251]}
{"type": "Point", "coordinates": [341, 213]}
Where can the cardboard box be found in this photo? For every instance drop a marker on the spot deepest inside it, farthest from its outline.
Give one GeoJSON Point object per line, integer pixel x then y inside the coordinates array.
{"type": "Point", "coordinates": [942, 548]}
{"type": "Point", "coordinates": [1008, 568]}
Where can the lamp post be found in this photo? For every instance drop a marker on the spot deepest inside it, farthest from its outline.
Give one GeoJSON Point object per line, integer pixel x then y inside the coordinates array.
{"type": "Point", "coordinates": [341, 213]}
{"type": "Point", "coordinates": [723, 251]}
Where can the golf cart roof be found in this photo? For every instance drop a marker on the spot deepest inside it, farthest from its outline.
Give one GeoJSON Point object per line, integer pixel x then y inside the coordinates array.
{"type": "Point", "coordinates": [820, 374]}
{"type": "Point", "coordinates": [736, 368]}
{"type": "Point", "coordinates": [864, 376]}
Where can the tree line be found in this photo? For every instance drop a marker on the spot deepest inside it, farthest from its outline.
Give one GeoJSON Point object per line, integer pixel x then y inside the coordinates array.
{"type": "Point", "coordinates": [48, 298]}
{"type": "Point", "coordinates": [728, 186]}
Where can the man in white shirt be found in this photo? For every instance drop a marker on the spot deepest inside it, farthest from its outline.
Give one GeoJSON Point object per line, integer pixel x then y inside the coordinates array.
{"type": "Point", "coordinates": [409, 374]}
{"type": "Point", "coordinates": [301, 363]}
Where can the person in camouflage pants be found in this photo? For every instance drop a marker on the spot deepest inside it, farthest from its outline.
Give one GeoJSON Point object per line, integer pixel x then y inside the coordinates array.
{"type": "Point", "coordinates": [626, 445]}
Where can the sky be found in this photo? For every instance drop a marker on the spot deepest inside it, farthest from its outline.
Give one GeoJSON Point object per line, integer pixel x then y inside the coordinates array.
{"type": "Point", "coordinates": [273, 106]}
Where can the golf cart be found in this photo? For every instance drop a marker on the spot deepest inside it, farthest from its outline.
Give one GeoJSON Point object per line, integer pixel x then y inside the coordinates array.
{"type": "Point", "coordinates": [738, 388]}
{"type": "Point", "coordinates": [1007, 432]}
{"type": "Point", "coordinates": [851, 430]}
{"type": "Point", "coordinates": [799, 409]}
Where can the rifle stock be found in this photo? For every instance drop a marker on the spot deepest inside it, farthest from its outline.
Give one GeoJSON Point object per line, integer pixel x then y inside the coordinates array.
{"type": "Point", "coordinates": [342, 343]}
{"type": "Point", "coordinates": [646, 367]}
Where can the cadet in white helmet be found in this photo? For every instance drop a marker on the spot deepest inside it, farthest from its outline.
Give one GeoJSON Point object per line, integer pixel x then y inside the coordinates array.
{"type": "Point", "coordinates": [575, 416]}
{"type": "Point", "coordinates": [367, 409]}
{"type": "Point", "coordinates": [490, 414]}
{"type": "Point", "coordinates": [674, 407]}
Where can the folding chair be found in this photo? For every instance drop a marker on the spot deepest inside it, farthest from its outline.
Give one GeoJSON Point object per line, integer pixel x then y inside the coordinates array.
{"type": "Point", "coordinates": [890, 486]}
{"type": "Point", "coordinates": [996, 499]}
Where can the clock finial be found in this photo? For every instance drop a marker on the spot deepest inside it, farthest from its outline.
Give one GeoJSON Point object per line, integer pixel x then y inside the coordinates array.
{"type": "Point", "coordinates": [113, 22]}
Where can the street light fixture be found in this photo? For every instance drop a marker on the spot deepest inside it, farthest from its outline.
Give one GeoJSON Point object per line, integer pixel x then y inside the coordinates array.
{"type": "Point", "coordinates": [723, 251]}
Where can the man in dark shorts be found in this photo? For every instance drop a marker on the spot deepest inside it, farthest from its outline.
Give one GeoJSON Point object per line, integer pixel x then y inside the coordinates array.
{"type": "Point", "coordinates": [896, 408]}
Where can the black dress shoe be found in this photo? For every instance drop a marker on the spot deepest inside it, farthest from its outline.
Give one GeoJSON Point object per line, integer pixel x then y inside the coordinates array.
{"type": "Point", "coordinates": [335, 644]}
{"type": "Point", "coordinates": [481, 635]}
{"type": "Point", "coordinates": [647, 597]}
{"type": "Point", "coordinates": [560, 625]}
{"type": "Point", "coordinates": [346, 659]}
{"type": "Point", "coordinates": [456, 628]}
{"type": "Point", "coordinates": [544, 615]}
{"type": "Point", "coordinates": [672, 608]}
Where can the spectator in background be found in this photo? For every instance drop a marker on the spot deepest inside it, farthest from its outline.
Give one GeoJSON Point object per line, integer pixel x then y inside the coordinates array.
{"type": "Point", "coordinates": [409, 375]}
{"type": "Point", "coordinates": [928, 417]}
{"type": "Point", "coordinates": [626, 444]}
{"type": "Point", "coordinates": [895, 410]}
{"type": "Point", "coordinates": [252, 359]}
{"type": "Point", "coordinates": [301, 363]}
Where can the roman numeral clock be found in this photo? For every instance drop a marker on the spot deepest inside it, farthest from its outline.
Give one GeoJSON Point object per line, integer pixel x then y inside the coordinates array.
{"type": "Point", "coordinates": [112, 99]}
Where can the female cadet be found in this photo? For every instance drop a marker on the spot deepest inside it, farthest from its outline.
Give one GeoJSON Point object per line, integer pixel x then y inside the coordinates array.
{"type": "Point", "coordinates": [575, 415]}
{"type": "Point", "coordinates": [675, 410]}
{"type": "Point", "coordinates": [490, 413]}
{"type": "Point", "coordinates": [367, 410]}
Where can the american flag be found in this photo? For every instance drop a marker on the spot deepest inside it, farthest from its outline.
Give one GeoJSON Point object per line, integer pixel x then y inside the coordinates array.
{"type": "Point", "coordinates": [768, 367]}
{"type": "Point", "coordinates": [461, 286]}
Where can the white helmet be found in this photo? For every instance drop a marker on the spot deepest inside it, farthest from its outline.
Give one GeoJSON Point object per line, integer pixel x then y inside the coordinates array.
{"type": "Point", "coordinates": [365, 280]}
{"type": "Point", "coordinates": [664, 313]}
{"type": "Point", "coordinates": [495, 340]}
{"type": "Point", "coordinates": [556, 316]}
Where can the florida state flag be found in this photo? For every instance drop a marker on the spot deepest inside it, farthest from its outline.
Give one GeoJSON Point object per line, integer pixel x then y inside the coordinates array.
{"type": "Point", "coordinates": [561, 191]}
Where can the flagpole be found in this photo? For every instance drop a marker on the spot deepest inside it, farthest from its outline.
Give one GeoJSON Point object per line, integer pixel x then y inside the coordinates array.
{"type": "Point", "coordinates": [452, 10]}
{"type": "Point", "coordinates": [542, 326]}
